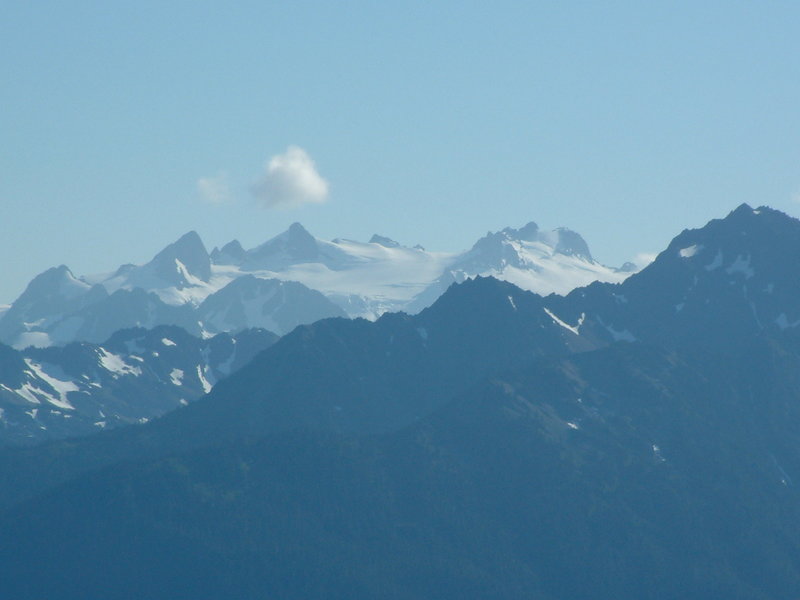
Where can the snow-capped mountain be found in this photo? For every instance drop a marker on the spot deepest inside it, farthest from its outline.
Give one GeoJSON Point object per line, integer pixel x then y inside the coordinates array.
{"type": "Point", "coordinates": [180, 273]}
{"type": "Point", "coordinates": [544, 262]}
{"type": "Point", "coordinates": [715, 285]}
{"type": "Point", "coordinates": [136, 375]}
{"type": "Point", "coordinates": [292, 279]}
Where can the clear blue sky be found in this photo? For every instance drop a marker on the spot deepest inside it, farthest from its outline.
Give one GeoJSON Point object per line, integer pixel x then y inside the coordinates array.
{"type": "Point", "coordinates": [431, 122]}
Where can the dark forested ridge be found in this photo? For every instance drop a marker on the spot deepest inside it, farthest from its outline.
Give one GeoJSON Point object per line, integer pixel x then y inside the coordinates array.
{"type": "Point", "coordinates": [498, 444]}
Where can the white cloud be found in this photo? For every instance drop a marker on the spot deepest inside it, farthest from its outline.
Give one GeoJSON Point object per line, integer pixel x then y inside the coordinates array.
{"type": "Point", "coordinates": [643, 259]}
{"type": "Point", "coordinates": [290, 180]}
{"type": "Point", "coordinates": [215, 190]}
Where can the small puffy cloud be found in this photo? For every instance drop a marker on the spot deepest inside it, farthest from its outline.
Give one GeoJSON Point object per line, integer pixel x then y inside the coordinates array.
{"type": "Point", "coordinates": [215, 190]}
{"type": "Point", "coordinates": [290, 180]}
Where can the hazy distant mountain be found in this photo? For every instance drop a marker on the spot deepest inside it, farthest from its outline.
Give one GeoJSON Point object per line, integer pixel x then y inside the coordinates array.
{"type": "Point", "coordinates": [268, 303]}
{"type": "Point", "coordinates": [606, 444]}
{"type": "Point", "coordinates": [136, 375]}
{"type": "Point", "coordinates": [185, 285]}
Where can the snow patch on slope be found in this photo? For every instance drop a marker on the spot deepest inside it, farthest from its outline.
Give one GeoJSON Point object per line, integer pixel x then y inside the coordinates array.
{"type": "Point", "coordinates": [575, 329]}
{"type": "Point", "coordinates": [716, 263]}
{"type": "Point", "coordinates": [116, 364]}
{"type": "Point", "coordinates": [783, 322]}
{"type": "Point", "coordinates": [741, 265]}
{"type": "Point", "coordinates": [60, 386]}
{"type": "Point", "coordinates": [203, 381]}
{"type": "Point", "coordinates": [176, 376]}
{"type": "Point", "coordinates": [690, 251]}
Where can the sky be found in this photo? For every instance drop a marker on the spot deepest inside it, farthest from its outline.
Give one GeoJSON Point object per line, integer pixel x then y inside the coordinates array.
{"type": "Point", "coordinates": [123, 125]}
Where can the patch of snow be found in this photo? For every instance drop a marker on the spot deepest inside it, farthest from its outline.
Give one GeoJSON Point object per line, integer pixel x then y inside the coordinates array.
{"type": "Point", "coordinates": [116, 365]}
{"type": "Point", "coordinates": [619, 335]}
{"type": "Point", "coordinates": [562, 323]}
{"type": "Point", "coordinates": [741, 265]}
{"type": "Point", "coordinates": [783, 322]}
{"type": "Point", "coordinates": [511, 301]}
{"type": "Point", "coordinates": [203, 381]}
{"type": "Point", "coordinates": [657, 454]}
{"type": "Point", "coordinates": [572, 425]}
{"type": "Point", "coordinates": [29, 393]}
{"type": "Point", "coordinates": [716, 263]}
{"type": "Point", "coordinates": [32, 412]}
{"type": "Point", "coordinates": [552, 272]}
{"type": "Point", "coordinates": [61, 387]}
{"type": "Point", "coordinates": [785, 479]}
{"type": "Point", "coordinates": [168, 342]}
{"type": "Point", "coordinates": [71, 287]}
{"type": "Point", "coordinates": [187, 276]}
{"type": "Point", "coordinates": [690, 251]}
{"type": "Point", "coordinates": [183, 402]}
{"type": "Point", "coordinates": [176, 375]}
{"type": "Point", "coordinates": [100, 424]}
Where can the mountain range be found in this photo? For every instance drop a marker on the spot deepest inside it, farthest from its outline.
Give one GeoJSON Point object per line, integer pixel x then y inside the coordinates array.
{"type": "Point", "coordinates": [134, 376]}
{"type": "Point", "coordinates": [625, 440]}
{"type": "Point", "coordinates": [292, 279]}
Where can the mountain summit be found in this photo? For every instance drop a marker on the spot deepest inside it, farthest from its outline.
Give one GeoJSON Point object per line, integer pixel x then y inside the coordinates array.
{"type": "Point", "coordinates": [294, 245]}
{"type": "Point", "coordinates": [720, 283]}
{"type": "Point", "coordinates": [187, 257]}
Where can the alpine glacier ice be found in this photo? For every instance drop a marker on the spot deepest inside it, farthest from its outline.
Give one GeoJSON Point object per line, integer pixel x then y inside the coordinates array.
{"type": "Point", "coordinates": [292, 279]}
